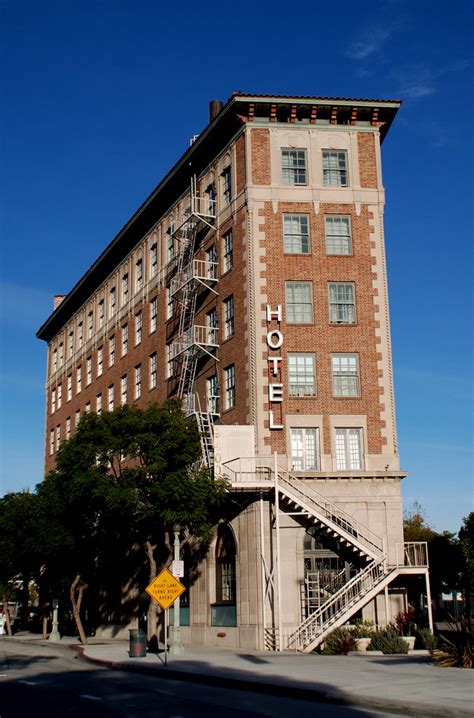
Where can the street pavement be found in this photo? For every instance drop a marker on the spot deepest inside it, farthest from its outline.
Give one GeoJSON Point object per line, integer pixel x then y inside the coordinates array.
{"type": "Point", "coordinates": [411, 684]}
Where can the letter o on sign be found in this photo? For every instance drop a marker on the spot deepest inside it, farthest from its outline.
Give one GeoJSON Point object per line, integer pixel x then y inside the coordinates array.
{"type": "Point", "coordinates": [274, 339]}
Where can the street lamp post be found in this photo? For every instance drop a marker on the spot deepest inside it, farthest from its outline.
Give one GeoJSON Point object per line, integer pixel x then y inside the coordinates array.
{"type": "Point", "coordinates": [54, 635]}
{"type": "Point", "coordinates": [176, 647]}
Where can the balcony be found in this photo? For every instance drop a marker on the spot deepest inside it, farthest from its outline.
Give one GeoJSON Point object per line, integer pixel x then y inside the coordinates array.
{"type": "Point", "coordinates": [202, 273]}
{"type": "Point", "coordinates": [195, 339]}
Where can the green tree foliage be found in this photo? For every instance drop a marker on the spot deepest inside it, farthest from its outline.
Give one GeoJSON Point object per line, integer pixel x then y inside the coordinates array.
{"type": "Point", "coordinates": [466, 539]}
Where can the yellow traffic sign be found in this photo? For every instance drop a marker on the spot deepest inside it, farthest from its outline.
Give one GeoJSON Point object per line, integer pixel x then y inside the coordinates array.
{"type": "Point", "coordinates": [165, 588]}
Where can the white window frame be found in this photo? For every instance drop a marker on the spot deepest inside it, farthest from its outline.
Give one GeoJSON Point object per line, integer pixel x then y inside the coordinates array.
{"type": "Point", "coordinates": [125, 289]}
{"type": "Point", "coordinates": [153, 314]}
{"type": "Point", "coordinates": [299, 312]}
{"type": "Point", "coordinates": [349, 448]}
{"type": "Point", "coordinates": [78, 379]}
{"type": "Point", "coordinates": [342, 309]}
{"type": "Point", "coordinates": [98, 403]}
{"type": "Point", "coordinates": [80, 334]}
{"type": "Point", "coordinates": [58, 437]}
{"type": "Point", "coordinates": [112, 350]}
{"type": "Point", "coordinates": [68, 428]}
{"type": "Point", "coordinates": [123, 389]}
{"type": "Point", "coordinates": [53, 400]}
{"type": "Point", "coordinates": [90, 324]}
{"type": "Point", "coordinates": [229, 317]}
{"type": "Point", "coordinates": [70, 347]}
{"type": "Point", "coordinates": [69, 387]}
{"type": "Point", "coordinates": [138, 327]}
{"type": "Point", "coordinates": [294, 167]}
{"type": "Point", "coordinates": [304, 443]}
{"type": "Point", "coordinates": [227, 188]}
{"type": "Point", "coordinates": [124, 344]}
{"type": "Point", "coordinates": [77, 417]}
{"type": "Point", "coordinates": [138, 274]}
{"type": "Point", "coordinates": [101, 314]}
{"type": "Point", "coordinates": [110, 397]}
{"type": "Point", "coordinates": [228, 251]}
{"type": "Point", "coordinates": [153, 259]}
{"type": "Point", "coordinates": [51, 442]}
{"type": "Point", "coordinates": [59, 402]}
{"type": "Point", "coordinates": [153, 370]}
{"type": "Point", "coordinates": [301, 374]}
{"type": "Point", "coordinates": [88, 371]}
{"type": "Point", "coordinates": [338, 234]}
{"type": "Point", "coordinates": [296, 234]}
{"type": "Point", "coordinates": [112, 301]}
{"type": "Point", "coordinates": [335, 174]}
{"type": "Point", "coordinates": [138, 381]}
{"type": "Point", "coordinates": [100, 361]}
{"type": "Point", "coordinates": [169, 304]}
{"type": "Point", "coordinates": [345, 375]}
{"type": "Point", "coordinates": [213, 394]}
{"type": "Point", "coordinates": [229, 384]}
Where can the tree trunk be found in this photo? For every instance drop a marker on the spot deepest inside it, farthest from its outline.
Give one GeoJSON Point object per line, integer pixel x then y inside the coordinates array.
{"type": "Point", "coordinates": [7, 616]}
{"type": "Point", "coordinates": [152, 633]}
{"type": "Point", "coordinates": [76, 592]}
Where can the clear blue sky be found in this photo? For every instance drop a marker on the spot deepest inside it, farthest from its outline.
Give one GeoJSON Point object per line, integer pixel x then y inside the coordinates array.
{"type": "Point", "coordinates": [99, 100]}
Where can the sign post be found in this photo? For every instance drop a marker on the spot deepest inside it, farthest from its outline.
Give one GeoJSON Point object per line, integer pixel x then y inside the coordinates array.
{"type": "Point", "coordinates": [165, 589]}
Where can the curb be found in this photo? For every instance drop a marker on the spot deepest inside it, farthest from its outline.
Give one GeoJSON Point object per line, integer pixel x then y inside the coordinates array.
{"type": "Point", "coordinates": [407, 708]}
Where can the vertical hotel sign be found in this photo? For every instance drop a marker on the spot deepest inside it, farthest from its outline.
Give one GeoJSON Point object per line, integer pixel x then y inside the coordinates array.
{"type": "Point", "coordinates": [275, 388]}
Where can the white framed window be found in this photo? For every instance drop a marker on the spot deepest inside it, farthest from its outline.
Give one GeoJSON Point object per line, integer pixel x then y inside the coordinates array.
{"type": "Point", "coordinates": [304, 449]}
{"type": "Point", "coordinates": [302, 374]}
{"type": "Point", "coordinates": [87, 409]}
{"type": "Point", "coordinates": [78, 379]}
{"type": "Point", "coordinates": [211, 259]}
{"type": "Point", "coordinates": [229, 384]}
{"type": "Point", "coordinates": [138, 381]}
{"type": "Point", "coordinates": [349, 454]}
{"type": "Point", "coordinates": [51, 442]}
{"type": "Point", "coordinates": [54, 362]}
{"type": "Point", "coordinates": [98, 403]}
{"type": "Point", "coordinates": [124, 288]}
{"type": "Point", "coordinates": [153, 259]}
{"type": "Point", "coordinates": [335, 168]}
{"type": "Point", "coordinates": [153, 370]}
{"type": "Point", "coordinates": [228, 317]}
{"type": "Point", "coordinates": [153, 315]}
{"type": "Point", "coordinates": [124, 339]}
{"type": "Point", "coordinates": [138, 274]}
{"type": "Point", "coordinates": [58, 437]}
{"type": "Point", "coordinates": [211, 319]}
{"type": "Point", "coordinates": [338, 234]}
{"type": "Point", "coordinates": [101, 313]}
{"type": "Point", "coordinates": [100, 361]}
{"type": "Point", "coordinates": [296, 233]}
{"type": "Point", "coordinates": [77, 417]}
{"type": "Point", "coordinates": [112, 350]}
{"type": "Point", "coordinates": [345, 375]}
{"type": "Point", "coordinates": [112, 301]}
{"type": "Point", "coordinates": [68, 428]}
{"type": "Point", "coordinates": [299, 302]}
{"type": "Point", "coordinates": [293, 167]}
{"type": "Point", "coordinates": [211, 198]}
{"type": "Point", "coordinates": [169, 304]}
{"type": "Point", "coordinates": [138, 327]}
{"type": "Point", "coordinates": [90, 324]}
{"type": "Point", "coordinates": [110, 397]}
{"type": "Point", "coordinates": [69, 387]}
{"type": "Point", "coordinates": [213, 398]}
{"type": "Point", "coordinates": [53, 401]}
{"type": "Point", "coordinates": [123, 389]}
{"type": "Point", "coordinates": [61, 354]}
{"type": "Point", "coordinates": [342, 308]}
{"type": "Point", "coordinates": [226, 185]}
{"type": "Point", "coordinates": [169, 361]}
{"type": "Point", "coordinates": [70, 344]}
{"type": "Point", "coordinates": [228, 254]}
{"type": "Point", "coordinates": [60, 396]}
{"type": "Point", "coordinates": [170, 242]}
{"type": "Point", "coordinates": [88, 370]}
{"type": "Point", "coordinates": [80, 335]}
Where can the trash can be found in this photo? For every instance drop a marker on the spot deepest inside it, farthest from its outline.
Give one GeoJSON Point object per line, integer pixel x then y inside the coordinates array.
{"type": "Point", "coordinates": [137, 646]}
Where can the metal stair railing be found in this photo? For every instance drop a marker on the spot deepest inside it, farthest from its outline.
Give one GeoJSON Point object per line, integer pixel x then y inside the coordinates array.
{"type": "Point", "coordinates": [205, 424]}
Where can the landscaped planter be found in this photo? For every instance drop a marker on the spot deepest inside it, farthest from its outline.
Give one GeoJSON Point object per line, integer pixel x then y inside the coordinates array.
{"type": "Point", "coordinates": [411, 642]}
{"type": "Point", "coordinates": [362, 643]}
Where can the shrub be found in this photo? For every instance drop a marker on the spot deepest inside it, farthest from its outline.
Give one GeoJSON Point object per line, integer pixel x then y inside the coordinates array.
{"type": "Point", "coordinates": [425, 639]}
{"type": "Point", "coordinates": [339, 642]}
{"type": "Point", "coordinates": [388, 641]}
{"type": "Point", "coordinates": [362, 628]}
{"type": "Point", "coordinates": [404, 621]}
{"type": "Point", "coordinates": [458, 652]}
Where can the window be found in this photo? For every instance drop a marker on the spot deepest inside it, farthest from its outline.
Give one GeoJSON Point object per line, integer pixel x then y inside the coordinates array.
{"type": "Point", "coordinates": [338, 234]}
{"type": "Point", "coordinates": [304, 449]}
{"type": "Point", "coordinates": [61, 354]}
{"type": "Point", "coordinates": [345, 375]}
{"type": "Point", "coordinates": [58, 437]}
{"type": "Point", "coordinates": [124, 339]}
{"type": "Point", "coordinates": [223, 612]}
{"type": "Point", "coordinates": [153, 259]}
{"type": "Point", "coordinates": [69, 387]}
{"type": "Point", "coordinates": [88, 408]}
{"type": "Point", "coordinates": [90, 324]}
{"type": "Point", "coordinates": [80, 334]}
{"type": "Point", "coordinates": [124, 289]}
{"type": "Point", "coordinates": [296, 233]}
{"type": "Point", "coordinates": [153, 370]}
{"type": "Point", "coordinates": [138, 381]}
{"type": "Point", "coordinates": [70, 344]}
{"type": "Point", "coordinates": [342, 303]}
{"type": "Point", "coordinates": [334, 168]}
{"type": "Point", "coordinates": [228, 256]}
{"type": "Point", "coordinates": [138, 274]}
{"type": "Point", "coordinates": [101, 314]}
{"type": "Point", "coordinates": [138, 327]}
{"type": "Point", "coordinates": [211, 319]}
{"type": "Point", "coordinates": [60, 396]}
{"type": "Point", "coordinates": [299, 303]}
{"type": "Point", "coordinates": [228, 317]}
{"type": "Point", "coordinates": [78, 379]}
{"type": "Point", "coordinates": [170, 243]}
{"type": "Point", "coordinates": [110, 397]}
{"type": "Point", "coordinates": [123, 389]}
{"type": "Point", "coordinates": [53, 401]}
{"type": "Point", "coordinates": [98, 403]}
{"type": "Point", "coordinates": [112, 350]}
{"type": "Point", "coordinates": [349, 449]}
{"type": "Point", "coordinates": [88, 370]}
{"type": "Point", "coordinates": [211, 199]}
{"type": "Point", "coordinates": [169, 304]}
{"type": "Point", "coordinates": [68, 428]}
{"type": "Point", "coordinates": [153, 315]}
{"type": "Point", "coordinates": [213, 395]}
{"type": "Point", "coordinates": [77, 417]}
{"type": "Point", "coordinates": [100, 361]}
{"type": "Point", "coordinates": [51, 442]}
{"type": "Point", "coordinates": [112, 301]}
{"type": "Point", "coordinates": [301, 375]}
{"type": "Point", "coordinates": [293, 164]}
{"type": "Point", "coordinates": [54, 362]}
{"type": "Point", "coordinates": [169, 361]}
{"type": "Point", "coordinates": [227, 185]}
{"type": "Point", "coordinates": [229, 375]}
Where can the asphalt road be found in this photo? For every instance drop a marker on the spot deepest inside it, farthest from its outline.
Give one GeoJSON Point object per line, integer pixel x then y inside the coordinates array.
{"type": "Point", "coordinates": [52, 681]}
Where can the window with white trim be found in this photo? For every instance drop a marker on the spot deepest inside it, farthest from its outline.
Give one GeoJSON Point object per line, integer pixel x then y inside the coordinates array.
{"type": "Point", "coordinates": [305, 449]}
{"type": "Point", "coordinates": [123, 389]}
{"type": "Point", "coordinates": [53, 401]}
{"type": "Point", "coordinates": [228, 253]}
{"type": "Point", "coordinates": [228, 317]}
{"type": "Point", "coordinates": [229, 385]}
{"type": "Point", "coordinates": [112, 350]}
{"type": "Point", "coordinates": [80, 335]}
{"type": "Point", "coordinates": [138, 327]}
{"type": "Point", "coordinates": [153, 259]}
{"type": "Point", "coordinates": [112, 301]}
{"type": "Point", "coordinates": [101, 314]}
{"type": "Point", "coordinates": [70, 344]}
{"type": "Point", "coordinates": [211, 198]}
{"type": "Point", "coordinates": [342, 309]}
{"type": "Point", "coordinates": [335, 168]}
{"type": "Point", "coordinates": [153, 370]}
{"type": "Point", "coordinates": [153, 314]}
{"type": "Point", "coordinates": [54, 362]}
{"type": "Point", "coordinates": [69, 387]}
{"type": "Point", "coordinates": [90, 324]}
{"type": "Point", "coordinates": [68, 428]}
{"type": "Point", "coordinates": [78, 379]}
{"type": "Point", "coordinates": [124, 289]}
{"type": "Point", "coordinates": [110, 397]}
{"type": "Point", "coordinates": [213, 395]}
{"type": "Point", "coordinates": [88, 408]}
{"type": "Point", "coordinates": [169, 361]}
{"type": "Point", "coordinates": [226, 185]}
{"type": "Point", "coordinates": [77, 417]}
{"type": "Point", "coordinates": [293, 167]}
{"type": "Point", "coordinates": [138, 274]}
{"type": "Point", "coordinates": [211, 259]}
{"type": "Point", "coordinates": [338, 234]}
{"type": "Point", "coordinates": [170, 242]}
{"type": "Point", "coordinates": [138, 381]}
{"type": "Point", "coordinates": [98, 403]}
{"type": "Point", "coordinates": [60, 354]}
{"type": "Point", "coordinates": [345, 375]}
{"type": "Point", "coordinates": [302, 374]}
{"type": "Point", "coordinates": [349, 453]}
{"type": "Point", "coordinates": [60, 396]}
{"type": "Point", "coordinates": [124, 339]}
{"type": "Point", "coordinates": [296, 233]}
{"type": "Point", "coordinates": [51, 442]}
{"type": "Point", "coordinates": [100, 361]}
{"type": "Point", "coordinates": [58, 437]}
{"type": "Point", "coordinates": [88, 370]}
{"type": "Point", "coordinates": [169, 303]}
{"type": "Point", "coordinates": [299, 302]}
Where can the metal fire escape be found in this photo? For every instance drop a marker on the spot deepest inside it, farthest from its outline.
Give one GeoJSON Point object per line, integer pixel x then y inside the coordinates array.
{"type": "Point", "coordinates": [193, 341]}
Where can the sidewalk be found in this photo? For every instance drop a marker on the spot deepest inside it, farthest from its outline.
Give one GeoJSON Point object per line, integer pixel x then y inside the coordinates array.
{"type": "Point", "coordinates": [402, 684]}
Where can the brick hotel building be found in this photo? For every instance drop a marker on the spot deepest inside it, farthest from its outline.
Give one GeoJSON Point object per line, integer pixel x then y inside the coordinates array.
{"type": "Point", "coordinates": [252, 284]}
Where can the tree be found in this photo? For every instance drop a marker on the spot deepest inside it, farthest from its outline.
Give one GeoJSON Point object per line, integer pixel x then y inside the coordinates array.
{"type": "Point", "coordinates": [466, 539]}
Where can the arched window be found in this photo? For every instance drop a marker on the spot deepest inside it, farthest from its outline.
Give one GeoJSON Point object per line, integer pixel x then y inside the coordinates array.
{"type": "Point", "coordinates": [224, 610]}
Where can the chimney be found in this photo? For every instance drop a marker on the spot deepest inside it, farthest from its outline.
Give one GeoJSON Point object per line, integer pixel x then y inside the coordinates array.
{"type": "Point", "coordinates": [215, 106]}
{"type": "Point", "coordinates": [58, 298]}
